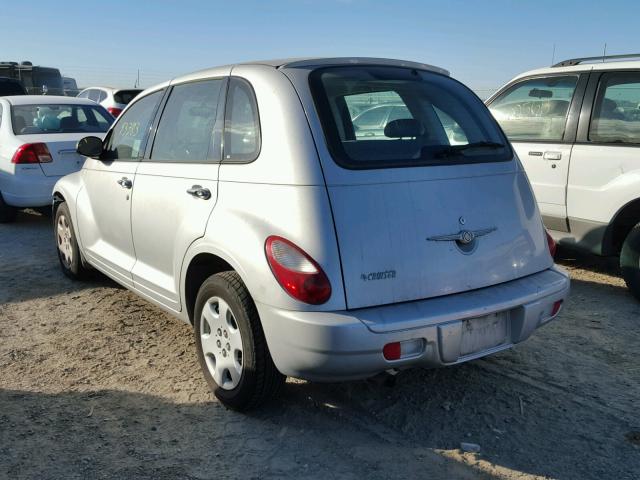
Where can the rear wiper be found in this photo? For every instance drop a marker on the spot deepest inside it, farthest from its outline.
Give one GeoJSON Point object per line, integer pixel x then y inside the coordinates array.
{"type": "Point", "coordinates": [453, 150]}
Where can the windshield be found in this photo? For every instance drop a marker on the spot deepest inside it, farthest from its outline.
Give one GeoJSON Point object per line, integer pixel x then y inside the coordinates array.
{"type": "Point", "coordinates": [125, 96]}
{"type": "Point", "coordinates": [49, 118]}
{"type": "Point", "coordinates": [380, 117]}
{"type": "Point", "coordinates": [49, 78]}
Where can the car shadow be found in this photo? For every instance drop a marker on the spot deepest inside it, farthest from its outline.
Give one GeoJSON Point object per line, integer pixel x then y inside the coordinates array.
{"type": "Point", "coordinates": [29, 266]}
{"type": "Point", "coordinates": [570, 257]}
{"type": "Point", "coordinates": [122, 435]}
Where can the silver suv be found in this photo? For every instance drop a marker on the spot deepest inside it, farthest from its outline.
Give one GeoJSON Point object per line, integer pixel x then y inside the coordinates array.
{"type": "Point", "coordinates": [242, 200]}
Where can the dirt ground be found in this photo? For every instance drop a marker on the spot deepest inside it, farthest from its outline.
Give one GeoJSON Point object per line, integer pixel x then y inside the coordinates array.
{"type": "Point", "coordinates": [97, 383]}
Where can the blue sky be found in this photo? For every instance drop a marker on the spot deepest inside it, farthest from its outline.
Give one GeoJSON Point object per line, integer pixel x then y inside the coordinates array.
{"type": "Point", "coordinates": [483, 43]}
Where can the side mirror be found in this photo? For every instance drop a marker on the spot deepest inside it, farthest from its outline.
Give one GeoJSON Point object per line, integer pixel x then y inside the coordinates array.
{"type": "Point", "coordinates": [89, 147]}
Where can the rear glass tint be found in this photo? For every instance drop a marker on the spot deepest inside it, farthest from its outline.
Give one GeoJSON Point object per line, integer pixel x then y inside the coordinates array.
{"type": "Point", "coordinates": [50, 118]}
{"type": "Point", "coordinates": [125, 96]}
{"type": "Point", "coordinates": [382, 117]}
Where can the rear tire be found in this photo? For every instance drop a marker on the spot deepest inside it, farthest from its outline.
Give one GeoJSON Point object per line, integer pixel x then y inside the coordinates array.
{"type": "Point", "coordinates": [630, 261]}
{"type": "Point", "coordinates": [7, 212]}
{"type": "Point", "coordinates": [232, 350]}
{"type": "Point", "coordinates": [67, 245]}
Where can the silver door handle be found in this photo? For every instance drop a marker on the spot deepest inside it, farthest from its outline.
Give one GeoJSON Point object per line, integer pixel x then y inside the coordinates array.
{"type": "Point", "coordinates": [124, 182]}
{"type": "Point", "coordinates": [552, 155]}
{"type": "Point", "coordinates": [199, 191]}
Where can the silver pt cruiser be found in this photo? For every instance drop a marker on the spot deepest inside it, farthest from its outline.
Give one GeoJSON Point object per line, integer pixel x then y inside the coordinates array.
{"type": "Point", "coordinates": [245, 200]}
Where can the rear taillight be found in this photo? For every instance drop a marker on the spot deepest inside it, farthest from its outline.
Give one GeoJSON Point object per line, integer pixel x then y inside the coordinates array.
{"type": "Point", "coordinates": [556, 308]}
{"type": "Point", "coordinates": [32, 153]}
{"type": "Point", "coordinates": [296, 272]}
{"type": "Point", "coordinates": [551, 243]}
{"type": "Point", "coordinates": [114, 111]}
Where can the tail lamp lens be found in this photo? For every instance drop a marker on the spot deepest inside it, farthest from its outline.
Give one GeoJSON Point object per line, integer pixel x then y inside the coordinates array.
{"type": "Point", "coordinates": [551, 243]}
{"type": "Point", "coordinates": [32, 153]}
{"type": "Point", "coordinates": [114, 111]}
{"type": "Point", "coordinates": [296, 272]}
{"type": "Point", "coordinates": [392, 351]}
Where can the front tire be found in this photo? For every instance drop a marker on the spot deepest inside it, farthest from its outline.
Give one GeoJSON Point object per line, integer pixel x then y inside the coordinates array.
{"type": "Point", "coordinates": [67, 245]}
{"type": "Point", "coordinates": [630, 261]}
{"type": "Point", "coordinates": [232, 350]}
{"type": "Point", "coordinates": [7, 213]}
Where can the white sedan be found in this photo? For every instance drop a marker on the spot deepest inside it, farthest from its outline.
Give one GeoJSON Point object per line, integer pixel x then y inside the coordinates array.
{"type": "Point", "coordinates": [38, 136]}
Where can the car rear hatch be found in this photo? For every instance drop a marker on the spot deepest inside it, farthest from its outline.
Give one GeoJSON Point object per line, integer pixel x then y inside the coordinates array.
{"type": "Point", "coordinates": [436, 204]}
{"type": "Point", "coordinates": [62, 147]}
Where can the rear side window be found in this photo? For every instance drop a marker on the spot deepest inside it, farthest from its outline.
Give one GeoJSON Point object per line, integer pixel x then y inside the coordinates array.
{"type": "Point", "coordinates": [535, 109]}
{"type": "Point", "coordinates": [383, 117]}
{"type": "Point", "coordinates": [241, 124]}
{"type": "Point", "coordinates": [616, 115]}
{"type": "Point", "coordinates": [94, 95]}
{"type": "Point", "coordinates": [126, 139]}
{"type": "Point", "coordinates": [186, 129]}
{"type": "Point", "coordinates": [125, 96]}
{"type": "Point", "coordinates": [53, 118]}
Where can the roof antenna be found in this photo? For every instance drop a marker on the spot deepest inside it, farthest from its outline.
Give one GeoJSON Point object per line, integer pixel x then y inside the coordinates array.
{"type": "Point", "coordinates": [604, 52]}
{"type": "Point", "coordinates": [553, 55]}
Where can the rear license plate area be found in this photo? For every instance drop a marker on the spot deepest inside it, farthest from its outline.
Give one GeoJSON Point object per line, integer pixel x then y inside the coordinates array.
{"type": "Point", "coordinates": [484, 333]}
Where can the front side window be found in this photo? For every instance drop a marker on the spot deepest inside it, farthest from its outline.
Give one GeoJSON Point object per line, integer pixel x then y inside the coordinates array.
{"type": "Point", "coordinates": [241, 124]}
{"type": "Point", "coordinates": [535, 109]}
{"type": "Point", "coordinates": [186, 129]}
{"type": "Point", "coordinates": [126, 139]}
{"type": "Point", "coordinates": [53, 118]}
{"type": "Point", "coordinates": [616, 114]}
{"type": "Point", "coordinates": [381, 117]}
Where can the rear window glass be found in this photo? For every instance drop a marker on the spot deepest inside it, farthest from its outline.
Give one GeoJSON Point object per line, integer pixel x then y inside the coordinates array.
{"type": "Point", "coordinates": [11, 88]}
{"type": "Point", "coordinates": [382, 117]}
{"type": "Point", "coordinates": [50, 118]}
{"type": "Point", "coordinates": [125, 96]}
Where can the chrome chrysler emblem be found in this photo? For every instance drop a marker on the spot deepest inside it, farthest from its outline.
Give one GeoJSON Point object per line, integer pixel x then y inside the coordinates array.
{"type": "Point", "coordinates": [464, 237]}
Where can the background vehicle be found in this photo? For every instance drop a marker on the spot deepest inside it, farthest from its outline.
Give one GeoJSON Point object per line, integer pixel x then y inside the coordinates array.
{"type": "Point", "coordinates": [36, 80]}
{"type": "Point", "coordinates": [10, 86]}
{"type": "Point", "coordinates": [70, 86]}
{"type": "Point", "coordinates": [576, 129]}
{"type": "Point", "coordinates": [241, 200]}
{"type": "Point", "coordinates": [38, 136]}
{"type": "Point", "coordinates": [114, 100]}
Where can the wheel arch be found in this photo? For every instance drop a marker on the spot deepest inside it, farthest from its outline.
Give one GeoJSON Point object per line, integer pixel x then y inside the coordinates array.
{"type": "Point", "coordinates": [619, 227]}
{"type": "Point", "coordinates": [58, 198]}
{"type": "Point", "coordinates": [200, 266]}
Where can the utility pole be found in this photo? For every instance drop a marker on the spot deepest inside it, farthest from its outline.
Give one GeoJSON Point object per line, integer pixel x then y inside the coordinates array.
{"type": "Point", "coordinates": [553, 55]}
{"type": "Point", "coordinates": [604, 52]}
{"type": "Point", "coordinates": [137, 80]}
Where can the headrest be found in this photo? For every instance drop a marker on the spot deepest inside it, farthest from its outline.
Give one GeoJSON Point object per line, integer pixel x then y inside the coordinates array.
{"type": "Point", "coordinates": [68, 123]}
{"type": "Point", "coordinates": [403, 127]}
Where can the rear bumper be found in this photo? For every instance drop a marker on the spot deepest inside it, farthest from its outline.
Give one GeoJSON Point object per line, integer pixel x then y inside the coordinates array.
{"type": "Point", "coordinates": [346, 345]}
{"type": "Point", "coordinates": [28, 190]}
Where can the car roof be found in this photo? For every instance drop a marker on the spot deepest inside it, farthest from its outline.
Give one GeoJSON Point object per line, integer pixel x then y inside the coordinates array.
{"type": "Point", "coordinates": [111, 89]}
{"type": "Point", "coordinates": [47, 100]}
{"type": "Point", "coordinates": [300, 62]}
{"type": "Point", "coordinates": [582, 67]}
